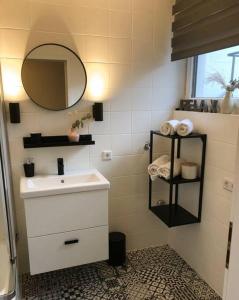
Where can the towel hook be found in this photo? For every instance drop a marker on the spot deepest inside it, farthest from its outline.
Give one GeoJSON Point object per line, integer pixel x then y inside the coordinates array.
{"type": "Point", "coordinates": [147, 146]}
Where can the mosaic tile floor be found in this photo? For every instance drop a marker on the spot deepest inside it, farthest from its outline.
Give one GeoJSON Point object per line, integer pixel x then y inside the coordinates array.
{"type": "Point", "coordinates": [151, 274]}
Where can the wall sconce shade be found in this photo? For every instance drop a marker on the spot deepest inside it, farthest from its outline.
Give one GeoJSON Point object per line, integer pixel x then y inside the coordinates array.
{"type": "Point", "coordinates": [14, 110]}
{"type": "Point", "coordinates": [98, 111]}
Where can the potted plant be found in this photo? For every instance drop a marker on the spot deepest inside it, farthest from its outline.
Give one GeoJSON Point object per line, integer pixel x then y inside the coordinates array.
{"type": "Point", "coordinates": [227, 102]}
{"type": "Point", "coordinates": [74, 134]}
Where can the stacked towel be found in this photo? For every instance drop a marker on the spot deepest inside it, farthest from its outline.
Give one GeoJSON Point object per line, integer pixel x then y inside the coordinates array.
{"type": "Point", "coordinates": [153, 169]}
{"type": "Point", "coordinates": [185, 127]}
{"type": "Point", "coordinates": [164, 170]}
{"type": "Point", "coordinates": [169, 127]}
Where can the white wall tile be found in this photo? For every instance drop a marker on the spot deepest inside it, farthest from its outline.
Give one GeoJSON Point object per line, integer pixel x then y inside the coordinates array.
{"type": "Point", "coordinates": [143, 6]}
{"type": "Point", "coordinates": [141, 121]}
{"type": "Point", "coordinates": [119, 76]}
{"type": "Point", "coordinates": [124, 5]}
{"type": "Point", "coordinates": [10, 16]}
{"type": "Point", "coordinates": [120, 50]}
{"type": "Point", "coordinates": [121, 101]}
{"type": "Point", "coordinates": [142, 99]}
{"type": "Point", "coordinates": [138, 142]}
{"type": "Point", "coordinates": [121, 144]}
{"type": "Point", "coordinates": [96, 21]}
{"type": "Point", "coordinates": [142, 75]}
{"type": "Point", "coordinates": [120, 186]}
{"type": "Point", "coordinates": [13, 43]}
{"type": "Point", "coordinates": [120, 122]}
{"type": "Point", "coordinates": [97, 49]}
{"type": "Point", "coordinates": [102, 127]}
{"type": "Point", "coordinates": [120, 24]}
{"type": "Point", "coordinates": [143, 26]}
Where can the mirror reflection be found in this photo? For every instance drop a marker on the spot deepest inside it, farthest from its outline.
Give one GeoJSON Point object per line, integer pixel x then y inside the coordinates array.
{"type": "Point", "coordinates": [53, 76]}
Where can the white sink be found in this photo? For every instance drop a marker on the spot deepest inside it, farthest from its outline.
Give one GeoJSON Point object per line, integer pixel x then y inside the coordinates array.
{"type": "Point", "coordinates": [46, 185]}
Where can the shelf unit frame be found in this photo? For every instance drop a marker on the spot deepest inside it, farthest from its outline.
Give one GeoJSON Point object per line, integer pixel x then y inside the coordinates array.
{"type": "Point", "coordinates": [173, 214]}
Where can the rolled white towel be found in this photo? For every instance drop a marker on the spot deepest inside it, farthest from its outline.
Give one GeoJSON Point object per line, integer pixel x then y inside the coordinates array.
{"type": "Point", "coordinates": [185, 127]}
{"type": "Point", "coordinates": [153, 168]}
{"type": "Point", "coordinates": [169, 127]}
{"type": "Point", "coordinates": [164, 170]}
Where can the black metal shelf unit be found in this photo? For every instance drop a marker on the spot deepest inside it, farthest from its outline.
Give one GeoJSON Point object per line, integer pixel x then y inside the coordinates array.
{"type": "Point", "coordinates": [173, 214]}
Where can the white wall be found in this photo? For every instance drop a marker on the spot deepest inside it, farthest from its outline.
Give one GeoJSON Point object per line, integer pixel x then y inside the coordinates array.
{"type": "Point", "coordinates": [128, 44]}
{"type": "Point", "coordinates": [204, 245]}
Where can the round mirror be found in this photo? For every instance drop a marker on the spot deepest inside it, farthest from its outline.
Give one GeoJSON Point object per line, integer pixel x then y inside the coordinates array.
{"type": "Point", "coordinates": [53, 76]}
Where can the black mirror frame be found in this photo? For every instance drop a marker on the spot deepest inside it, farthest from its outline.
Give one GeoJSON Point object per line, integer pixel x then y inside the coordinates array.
{"type": "Point", "coordinates": [77, 56]}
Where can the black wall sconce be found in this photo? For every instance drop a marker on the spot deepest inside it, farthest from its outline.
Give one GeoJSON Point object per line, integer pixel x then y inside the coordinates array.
{"type": "Point", "coordinates": [14, 110]}
{"type": "Point", "coordinates": [98, 111]}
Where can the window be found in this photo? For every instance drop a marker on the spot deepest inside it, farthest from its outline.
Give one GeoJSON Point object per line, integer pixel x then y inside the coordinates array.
{"type": "Point", "coordinates": [225, 62]}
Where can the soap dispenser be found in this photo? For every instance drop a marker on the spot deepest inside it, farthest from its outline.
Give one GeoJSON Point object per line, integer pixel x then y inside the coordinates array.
{"type": "Point", "coordinates": [29, 168]}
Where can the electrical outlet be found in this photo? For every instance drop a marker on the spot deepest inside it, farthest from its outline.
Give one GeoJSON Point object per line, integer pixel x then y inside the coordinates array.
{"type": "Point", "coordinates": [107, 155]}
{"type": "Point", "coordinates": [228, 184]}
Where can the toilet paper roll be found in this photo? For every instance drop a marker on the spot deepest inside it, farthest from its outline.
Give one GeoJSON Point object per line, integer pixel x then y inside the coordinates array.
{"type": "Point", "coordinates": [189, 170]}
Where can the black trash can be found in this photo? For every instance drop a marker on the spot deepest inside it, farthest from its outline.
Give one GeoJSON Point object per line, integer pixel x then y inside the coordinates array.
{"type": "Point", "coordinates": [117, 248]}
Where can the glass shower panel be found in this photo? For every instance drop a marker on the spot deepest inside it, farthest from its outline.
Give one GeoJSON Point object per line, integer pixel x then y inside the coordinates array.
{"type": "Point", "coordinates": [5, 263]}
{"type": "Point", "coordinates": [7, 233]}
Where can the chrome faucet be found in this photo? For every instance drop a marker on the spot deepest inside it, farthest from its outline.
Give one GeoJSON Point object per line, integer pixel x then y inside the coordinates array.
{"type": "Point", "coordinates": [60, 166]}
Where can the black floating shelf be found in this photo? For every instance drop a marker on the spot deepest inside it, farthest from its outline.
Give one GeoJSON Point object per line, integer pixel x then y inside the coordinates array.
{"type": "Point", "coordinates": [176, 136]}
{"type": "Point", "coordinates": [54, 141]}
{"type": "Point", "coordinates": [180, 180]}
{"type": "Point", "coordinates": [179, 215]}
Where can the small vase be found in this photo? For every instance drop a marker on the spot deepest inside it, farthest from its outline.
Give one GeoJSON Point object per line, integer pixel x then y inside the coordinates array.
{"type": "Point", "coordinates": [227, 103]}
{"type": "Point", "coordinates": [74, 135]}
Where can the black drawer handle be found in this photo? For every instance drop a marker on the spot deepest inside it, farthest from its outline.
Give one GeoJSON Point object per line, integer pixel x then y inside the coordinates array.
{"type": "Point", "coordinates": [70, 242]}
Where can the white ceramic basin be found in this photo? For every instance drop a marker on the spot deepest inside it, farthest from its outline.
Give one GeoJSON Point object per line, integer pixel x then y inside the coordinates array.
{"type": "Point", "coordinates": [46, 185]}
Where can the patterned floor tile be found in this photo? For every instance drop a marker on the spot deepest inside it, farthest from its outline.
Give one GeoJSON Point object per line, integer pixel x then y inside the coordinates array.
{"type": "Point", "coordinates": [156, 273]}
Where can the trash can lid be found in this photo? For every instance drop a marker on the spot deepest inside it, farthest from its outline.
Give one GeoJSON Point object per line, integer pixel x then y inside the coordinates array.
{"type": "Point", "coordinates": [116, 236]}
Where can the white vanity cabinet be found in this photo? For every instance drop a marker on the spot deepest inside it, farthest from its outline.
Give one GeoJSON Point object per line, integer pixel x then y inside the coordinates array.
{"type": "Point", "coordinates": [67, 229]}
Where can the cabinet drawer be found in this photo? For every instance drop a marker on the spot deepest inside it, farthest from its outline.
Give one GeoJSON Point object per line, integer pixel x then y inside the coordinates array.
{"type": "Point", "coordinates": [58, 251]}
{"type": "Point", "coordinates": [62, 213]}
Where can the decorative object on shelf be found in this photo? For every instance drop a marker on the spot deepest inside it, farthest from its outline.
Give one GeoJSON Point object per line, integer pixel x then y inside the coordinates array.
{"type": "Point", "coordinates": [153, 168]}
{"type": "Point", "coordinates": [98, 111]}
{"type": "Point", "coordinates": [227, 102]}
{"type": "Point", "coordinates": [214, 106]}
{"type": "Point", "coordinates": [29, 168]}
{"type": "Point", "coordinates": [169, 127]}
{"type": "Point", "coordinates": [14, 110]}
{"type": "Point", "coordinates": [74, 134]}
{"type": "Point", "coordinates": [185, 127]}
{"type": "Point", "coordinates": [56, 141]}
{"type": "Point", "coordinates": [172, 214]}
{"type": "Point", "coordinates": [189, 170]}
{"type": "Point", "coordinates": [165, 169]}
{"type": "Point", "coordinates": [199, 105]}
{"type": "Point", "coordinates": [188, 105]}
{"type": "Point", "coordinates": [85, 137]}
{"type": "Point", "coordinates": [203, 106]}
